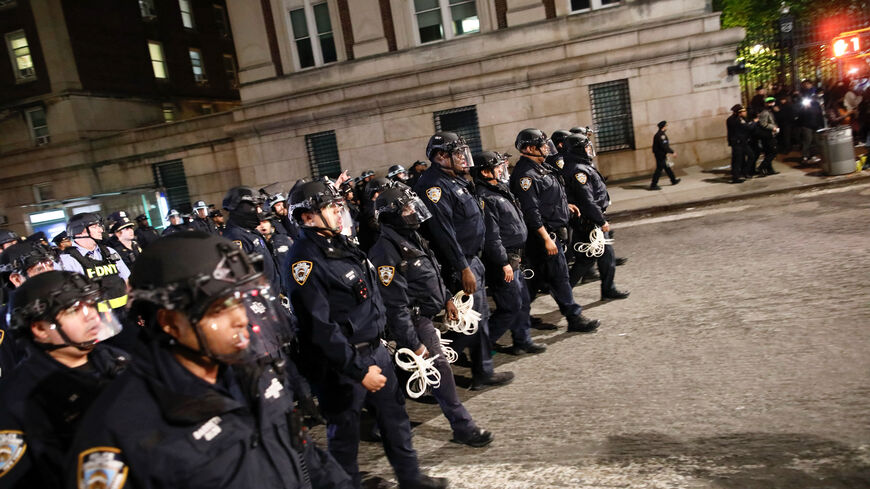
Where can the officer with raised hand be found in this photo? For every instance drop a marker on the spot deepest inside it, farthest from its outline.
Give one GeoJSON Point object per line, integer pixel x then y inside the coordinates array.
{"type": "Point", "coordinates": [54, 314]}
{"type": "Point", "coordinates": [246, 214]}
{"type": "Point", "coordinates": [586, 190]}
{"type": "Point", "coordinates": [546, 212]}
{"type": "Point", "coordinates": [410, 281]}
{"type": "Point", "coordinates": [503, 251]}
{"type": "Point", "coordinates": [203, 404]}
{"type": "Point", "coordinates": [145, 234]}
{"type": "Point", "coordinates": [201, 221]}
{"type": "Point", "coordinates": [397, 173]}
{"type": "Point", "coordinates": [457, 222]}
{"type": "Point", "coordinates": [368, 221]}
{"type": "Point", "coordinates": [177, 223]}
{"type": "Point", "coordinates": [342, 318]}
{"type": "Point", "coordinates": [123, 238]}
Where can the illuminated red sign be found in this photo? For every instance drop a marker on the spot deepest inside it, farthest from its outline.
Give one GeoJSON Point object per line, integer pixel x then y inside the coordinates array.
{"type": "Point", "coordinates": [853, 43]}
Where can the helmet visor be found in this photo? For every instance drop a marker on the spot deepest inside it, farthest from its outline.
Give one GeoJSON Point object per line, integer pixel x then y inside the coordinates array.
{"type": "Point", "coordinates": [83, 323]}
{"type": "Point", "coordinates": [414, 211]}
{"type": "Point", "coordinates": [461, 157]}
{"type": "Point", "coordinates": [549, 148]}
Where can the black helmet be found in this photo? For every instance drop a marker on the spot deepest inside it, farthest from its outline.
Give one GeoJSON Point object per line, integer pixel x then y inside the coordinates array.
{"type": "Point", "coordinates": [578, 144]}
{"type": "Point", "coordinates": [7, 235]}
{"type": "Point", "coordinates": [21, 256]}
{"type": "Point", "coordinates": [37, 236]}
{"type": "Point", "coordinates": [535, 138]}
{"type": "Point", "coordinates": [375, 186]}
{"type": "Point", "coordinates": [455, 146]}
{"type": "Point", "coordinates": [395, 171]}
{"type": "Point", "coordinates": [488, 160]}
{"type": "Point", "coordinates": [367, 173]}
{"type": "Point", "coordinates": [581, 130]}
{"type": "Point", "coordinates": [559, 136]}
{"type": "Point", "coordinates": [82, 221]}
{"type": "Point", "coordinates": [311, 196]}
{"type": "Point", "coordinates": [44, 296]}
{"type": "Point", "coordinates": [400, 207]}
{"type": "Point", "coordinates": [237, 195]}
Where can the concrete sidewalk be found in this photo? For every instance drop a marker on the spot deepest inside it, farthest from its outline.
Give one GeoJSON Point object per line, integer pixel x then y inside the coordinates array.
{"type": "Point", "coordinates": [704, 184]}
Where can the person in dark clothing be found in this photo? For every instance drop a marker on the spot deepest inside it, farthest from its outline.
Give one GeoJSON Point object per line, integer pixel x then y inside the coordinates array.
{"type": "Point", "coordinates": [342, 319]}
{"type": "Point", "coordinates": [217, 218]}
{"type": "Point", "coordinates": [413, 293]}
{"type": "Point", "coordinates": [750, 170]}
{"type": "Point", "coordinates": [786, 119]}
{"type": "Point", "coordinates": [738, 139]}
{"type": "Point", "coordinates": [661, 148]}
{"type": "Point", "coordinates": [45, 398]}
{"type": "Point", "coordinates": [201, 221]}
{"type": "Point", "coordinates": [145, 234]}
{"type": "Point", "coordinates": [123, 238]}
{"type": "Point", "coordinates": [415, 171]}
{"type": "Point", "coordinates": [245, 215]}
{"type": "Point", "coordinates": [767, 130]}
{"type": "Point", "coordinates": [811, 118]}
{"type": "Point", "coordinates": [204, 403]}
{"type": "Point", "coordinates": [279, 246]}
{"type": "Point", "coordinates": [369, 228]}
{"type": "Point", "coordinates": [61, 241]}
{"type": "Point", "coordinates": [284, 224]}
{"type": "Point", "coordinates": [177, 223]}
{"type": "Point", "coordinates": [757, 102]}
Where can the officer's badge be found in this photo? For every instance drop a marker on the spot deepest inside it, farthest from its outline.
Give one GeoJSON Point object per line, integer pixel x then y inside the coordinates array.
{"type": "Point", "coordinates": [2, 335]}
{"type": "Point", "coordinates": [300, 270]}
{"type": "Point", "coordinates": [434, 194]}
{"type": "Point", "coordinates": [12, 447]}
{"type": "Point", "coordinates": [525, 183]}
{"type": "Point", "coordinates": [101, 467]}
{"type": "Point", "coordinates": [560, 163]}
{"type": "Point", "coordinates": [581, 177]}
{"type": "Point", "coordinates": [386, 274]}
{"type": "Point", "coordinates": [239, 244]}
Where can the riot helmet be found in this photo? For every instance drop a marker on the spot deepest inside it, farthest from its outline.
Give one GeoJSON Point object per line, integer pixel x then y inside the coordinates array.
{"type": "Point", "coordinates": [455, 147]}
{"type": "Point", "coordinates": [536, 139]}
{"type": "Point", "coordinates": [558, 138]}
{"type": "Point", "coordinates": [243, 203]}
{"type": "Point", "coordinates": [315, 196]}
{"type": "Point", "coordinates": [399, 206]}
{"type": "Point", "coordinates": [85, 222]}
{"type": "Point", "coordinates": [376, 186]}
{"type": "Point", "coordinates": [494, 162]}
{"type": "Point", "coordinates": [25, 259]}
{"type": "Point", "coordinates": [174, 217]}
{"type": "Point", "coordinates": [398, 172]}
{"type": "Point", "coordinates": [8, 238]}
{"type": "Point", "coordinates": [579, 145]}
{"type": "Point", "coordinates": [198, 206]}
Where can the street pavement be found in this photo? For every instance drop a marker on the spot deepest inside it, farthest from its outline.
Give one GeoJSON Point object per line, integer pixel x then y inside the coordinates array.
{"type": "Point", "coordinates": [739, 361]}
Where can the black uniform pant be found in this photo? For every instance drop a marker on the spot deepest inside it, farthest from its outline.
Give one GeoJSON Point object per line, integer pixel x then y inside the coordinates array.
{"type": "Point", "coordinates": [342, 399]}
{"type": "Point", "coordinates": [460, 420]}
{"type": "Point", "coordinates": [606, 265]}
{"type": "Point", "coordinates": [478, 344]}
{"type": "Point", "coordinates": [768, 145]}
{"type": "Point", "coordinates": [552, 270]}
{"type": "Point", "coordinates": [512, 307]}
{"type": "Point", "coordinates": [740, 154]}
{"type": "Point", "coordinates": [662, 166]}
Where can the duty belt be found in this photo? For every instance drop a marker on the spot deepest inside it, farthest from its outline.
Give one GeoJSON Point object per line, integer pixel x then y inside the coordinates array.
{"type": "Point", "coordinates": [106, 306]}
{"type": "Point", "coordinates": [367, 346]}
{"type": "Point", "coordinates": [515, 251]}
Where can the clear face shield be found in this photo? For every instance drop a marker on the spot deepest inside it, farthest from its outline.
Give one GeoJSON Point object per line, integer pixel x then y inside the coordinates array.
{"type": "Point", "coordinates": [460, 159]}
{"type": "Point", "coordinates": [413, 211]}
{"type": "Point", "coordinates": [82, 324]}
{"type": "Point", "coordinates": [548, 148]}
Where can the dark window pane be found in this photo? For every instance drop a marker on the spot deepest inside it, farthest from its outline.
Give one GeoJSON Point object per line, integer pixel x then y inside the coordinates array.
{"type": "Point", "coordinates": [297, 20]}
{"type": "Point", "coordinates": [306, 55]}
{"type": "Point", "coordinates": [421, 5]}
{"type": "Point", "coordinates": [579, 4]}
{"type": "Point", "coordinates": [321, 18]}
{"type": "Point", "coordinates": [327, 47]}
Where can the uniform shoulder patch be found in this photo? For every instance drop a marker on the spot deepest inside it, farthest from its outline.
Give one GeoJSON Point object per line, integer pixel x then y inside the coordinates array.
{"type": "Point", "coordinates": [525, 183]}
{"type": "Point", "coordinates": [434, 194]}
{"type": "Point", "coordinates": [101, 467]}
{"type": "Point", "coordinates": [301, 270]}
{"type": "Point", "coordinates": [2, 335]}
{"type": "Point", "coordinates": [581, 177]}
{"type": "Point", "coordinates": [386, 274]}
{"type": "Point", "coordinates": [560, 163]}
{"type": "Point", "coordinates": [239, 244]}
{"type": "Point", "coordinates": [12, 448]}
{"type": "Point", "coordinates": [482, 203]}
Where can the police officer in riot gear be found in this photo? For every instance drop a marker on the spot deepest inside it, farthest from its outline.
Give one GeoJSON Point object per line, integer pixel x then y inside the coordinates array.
{"type": "Point", "coordinates": [177, 223]}
{"type": "Point", "coordinates": [342, 318]}
{"type": "Point", "coordinates": [586, 190]}
{"type": "Point", "coordinates": [203, 404]}
{"type": "Point", "coordinates": [278, 244]}
{"type": "Point", "coordinates": [123, 238]}
{"type": "Point", "coordinates": [503, 251]}
{"type": "Point", "coordinates": [546, 212]}
{"type": "Point", "coordinates": [368, 221]}
{"type": "Point", "coordinates": [414, 293]}
{"type": "Point", "coordinates": [457, 222]}
{"type": "Point", "coordinates": [397, 173]}
{"type": "Point", "coordinates": [54, 314]}
{"type": "Point", "coordinates": [8, 238]}
{"type": "Point", "coordinates": [245, 215]}
{"type": "Point", "coordinates": [201, 221]}
{"type": "Point", "coordinates": [417, 168]}
{"type": "Point", "coordinates": [284, 224]}
{"type": "Point", "coordinates": [145, 234]}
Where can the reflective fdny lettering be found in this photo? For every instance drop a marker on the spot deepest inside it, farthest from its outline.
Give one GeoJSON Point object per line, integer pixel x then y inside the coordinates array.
{"type": "Point", "coordinates": [102, 270]}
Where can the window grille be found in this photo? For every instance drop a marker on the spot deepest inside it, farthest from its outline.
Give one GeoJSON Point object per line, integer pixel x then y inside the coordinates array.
{"type": "Point", "coordinates": [611, 115]}
{"type": "Point", "coordinates": [323, 154]}
{"type": "Point", "coordinates": [170, 176]}
{"type": "Point", "coordinates": [462, 121]}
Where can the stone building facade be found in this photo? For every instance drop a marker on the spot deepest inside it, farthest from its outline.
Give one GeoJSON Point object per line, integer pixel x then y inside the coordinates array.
{"type": "Point", "coordinates": [358, 84]}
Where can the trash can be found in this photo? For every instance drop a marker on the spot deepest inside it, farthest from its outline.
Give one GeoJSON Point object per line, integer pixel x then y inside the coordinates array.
{"type": "Point", "coordinates": [838, 155]}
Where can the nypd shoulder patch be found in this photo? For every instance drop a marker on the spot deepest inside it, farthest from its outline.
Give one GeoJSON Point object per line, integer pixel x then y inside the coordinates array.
{"type": "Point", "coordinates": [560, 163]}
{"type": "Point", "coordinates": [2, 336]}
{"type": "Point", "coordinates": [101, 467]}
{"type": "Point", "coordinates": [239, 244]}
{"type": "Point", "coordinates": [12, 448]}
{"type": "Point", "coordinates": [581, 177]}
{"type": "Point", "coordinates": [482, 203]}
{"type": "Point", "coordinates": [434, 194]}
{"type": "Point", "coordinates": [301, 270]}
{"type": "Point", "coordinates": [386, 274]}
{"type": "Point", "coordinates": [525, 183]}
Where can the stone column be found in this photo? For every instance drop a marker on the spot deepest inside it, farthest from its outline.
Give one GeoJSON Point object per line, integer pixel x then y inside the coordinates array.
{"type": "Point", "coordinates": [368, 28]}
{"type": "Point", "coordinates": [525, 11]}
{"type": "Point", "coordinates": [250, 37]}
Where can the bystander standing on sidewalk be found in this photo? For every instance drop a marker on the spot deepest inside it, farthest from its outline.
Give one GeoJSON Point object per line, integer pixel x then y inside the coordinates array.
{"type": "Point", "coordinates": [738, 139]}
{"type": "Point", "coordinates": [767, 131]}
{"type": "Point", "coordinates": [811, 120]}
{"type": "Point", "coordinates": [661, 148]}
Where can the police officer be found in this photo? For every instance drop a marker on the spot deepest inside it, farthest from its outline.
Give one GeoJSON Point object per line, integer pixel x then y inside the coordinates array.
{"type": "Point", "coordinates": [661, 148]}
{"type": "Point", "coordinates": [8, 238]}
{"type": "Point", "coordinates": [283, 223]}
{"type": "Point", "coordinates": [245, 215]}
{"type": "Point", "coordinates": [145, 234]}
{"type": "Point", "coordinates": [397, 173]}
{"type": "Point", "coordinates": [123, 238]}
{"type": "Point", "coordinates": [177, 223]}
{"type": "Point", "coordinates": [546, 211]}
{"type": "Point", "coordinates": [417, 169]}
{"type": "Point", "coordinates": [414, 293]}
{"type": "Point", "coordinates": [342, 319]}
{"type": "Point", "coordinates": [506, 236]}
{"type": "Point", "coordinates": [738, 139]}
{"type": "Point", "coordinates": [586, 190]}
{"type": "Point", "coordinates": [279, 246]}
{"type": "Point", "coordinates": [457, 222]}
{"type": "Point", "coordinates": [368, 221]}
{"type": "Point", "coordinates": [217, 218]}
{"type": "Point", "coordinates": [61, 241]}
{"type": "Point", "coordinates": [42, 402]}
{"type": "Point", "coordinates": [201, 221]}
{"type": "Point", "coordinates": [202, 405]}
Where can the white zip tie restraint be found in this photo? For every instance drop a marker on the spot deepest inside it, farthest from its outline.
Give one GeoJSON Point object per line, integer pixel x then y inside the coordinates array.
{"type": "Point", "coordinates": [423, 372]}
{"type": "Point", "coordinates": [467, 316]}
{"type": "Point", "coordinates": [449, 353]}
{"type": "Point", "coordinates": [595, 246]}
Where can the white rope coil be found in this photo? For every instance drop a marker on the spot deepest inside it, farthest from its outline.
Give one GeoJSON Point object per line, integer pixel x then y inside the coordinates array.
{"type": "Point", "coordinates": [449, 353]}
{"type": "Point", "coordinates": [468, 317]}
{"type": "Point", "coordinates": [423, 372]}
{"type": "Point", "coordinates": [595, 246]}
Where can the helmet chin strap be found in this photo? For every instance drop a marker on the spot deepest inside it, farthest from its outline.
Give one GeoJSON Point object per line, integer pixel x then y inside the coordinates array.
{"type": "Point", "coordinates": [83, 346]}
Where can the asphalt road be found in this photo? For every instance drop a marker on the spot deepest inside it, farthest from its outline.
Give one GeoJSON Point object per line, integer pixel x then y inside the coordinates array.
{"type": "Point", "coordinates": [741, 360]}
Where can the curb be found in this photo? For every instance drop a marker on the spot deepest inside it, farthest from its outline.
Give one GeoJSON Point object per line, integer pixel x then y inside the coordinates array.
{"type": "Point", "coordinates": [834, 182]}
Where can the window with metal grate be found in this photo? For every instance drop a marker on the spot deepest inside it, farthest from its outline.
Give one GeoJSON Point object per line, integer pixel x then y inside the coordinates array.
{"type": "Point", "coordinates": [462, 121]}
{"type": "Point", "coordinates": [170, 176]}
{"type": "Point", "coordinates": [323, 154]}
{"type": "Point", "coordinates": [611, 115]}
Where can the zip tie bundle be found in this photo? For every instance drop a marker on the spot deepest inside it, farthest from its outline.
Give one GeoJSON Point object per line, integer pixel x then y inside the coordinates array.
{"type": "Point", "coordinates": [423, 372]}
{"type": "Point", "coordinates": [468, 317]}
{"type": "Point", "coordinates": [595, 246]}
{"type": "Point", "coordinates": [449, 353]}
